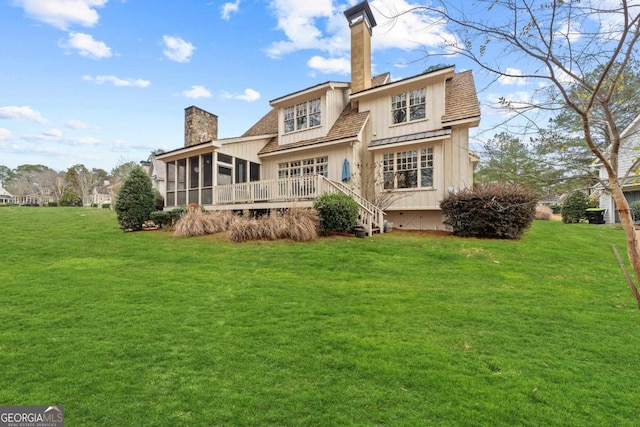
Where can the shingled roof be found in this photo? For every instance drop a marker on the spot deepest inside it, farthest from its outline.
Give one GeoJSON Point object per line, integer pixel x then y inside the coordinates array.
{"type": "Point", "coordinates": [461, 100]}
{"type": "Point", "coordinates": [267, 125]}
{"type": "Point", "coordinates": [348, 125]}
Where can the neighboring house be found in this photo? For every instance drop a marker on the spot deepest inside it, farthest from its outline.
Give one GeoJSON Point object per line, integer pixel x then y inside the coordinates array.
{"type": "Point", "coordinates": [101, 194]}
{"type": "Point", "coordinates": [5, 197]}
{"type": "Point", "coordinates": [156, 169]}
{"type": "Point", "coordinates": [627, 157]}
{"type": "Point", "coordinates": [405, 142]}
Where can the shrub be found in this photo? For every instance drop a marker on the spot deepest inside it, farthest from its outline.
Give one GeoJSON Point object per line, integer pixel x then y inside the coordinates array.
{"type": "Point", "coordinates": [161, 218]}
{"type": "Point", "coordinates": [336, 211]}
{"type": "Point", "coordinates": [52, 204]}
{"type": "Point", "coordinates": [635, 210]}
{"type": "Point", "coordinates": [492, 210]}
{"type": "Point", "coordinates": [106, 206]}
{"type": "Point", "coordinates": [135, 201]}
{"type": "Point", "coordinates": [574, 208]}
{"type": "Point", "coordinates": [159, 201]}
{"type": "Point", "coordinates": [544, 212]}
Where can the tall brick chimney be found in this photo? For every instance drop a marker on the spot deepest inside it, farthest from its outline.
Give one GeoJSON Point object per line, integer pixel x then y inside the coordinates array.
{"type": "Point", "coordinates": [199, 126]}
{"type": "Point", "coordinates": [361, 22]}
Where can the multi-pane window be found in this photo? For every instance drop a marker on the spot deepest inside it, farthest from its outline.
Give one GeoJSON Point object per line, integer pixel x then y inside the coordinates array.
{"type": "Point", "coordinates": [388, 171]}
{"type": "Point", "coordinates": [315, 117]}
{"type": "Point", "coordinates": [417, 101]}
{"type": "Point", "coordinates": [408, 169]}
{"type": "Point", "coordinates": [315, 166]}
{"type": "Point", "coordinates": [302, 116]}
{"type": "Point", "coordinates": [399, 108]}
{"type": "Point", "coordinates": [414, 111]}
{"type": "Point", "coordinates": [289, 119]}
{"type": "Point", "coordinates": [426, 167]}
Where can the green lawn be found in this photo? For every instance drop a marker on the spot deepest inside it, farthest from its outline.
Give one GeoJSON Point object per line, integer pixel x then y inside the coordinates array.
{"type": "Point", "coordinates": [145, 329]}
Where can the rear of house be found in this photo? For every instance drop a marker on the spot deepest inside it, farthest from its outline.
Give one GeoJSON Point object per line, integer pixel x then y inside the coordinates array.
{"type": "Point", "coordinates": [398, 147]}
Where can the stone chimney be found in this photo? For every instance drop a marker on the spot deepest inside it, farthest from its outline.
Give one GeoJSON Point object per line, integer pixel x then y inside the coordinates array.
{"type": "Point", "coordinates": [199, 126]}
{"type": "Point", "coordinates": [361, 22]}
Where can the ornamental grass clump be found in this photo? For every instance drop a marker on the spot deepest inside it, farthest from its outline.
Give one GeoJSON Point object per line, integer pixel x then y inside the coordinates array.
{"type": "Point", "coordinates": [544, 212]}
{"type": "Point", "coordinates": [300, 225]}
{"type": "Point", "coordinates": [499, 211]}
{"type": "Point", "coordinates": [196, 222]}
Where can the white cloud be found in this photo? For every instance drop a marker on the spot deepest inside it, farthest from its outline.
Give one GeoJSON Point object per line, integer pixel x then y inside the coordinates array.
{"type": "Point", "coordinates": [53, 132]}
{"type": "Point", "coordinates": [117, 81]}
{"type": "Point", "coordinates": [85, 45]}
{"type": "Point", "coordinates": [228, 9]}
{"type": "Point", "coordinates": [514, 77]}
{"type": "Point", "coordinates": [62, 13]}
{"type": "Point", "coordinates": [5, 134]}
{"type": "Point", "coordinates": [197, 92]}
{"type": "Point", "coordinates": [249, 95]}
{"type": "Point", "coordinates": [330, 65]}
{"type": "Point", "coordinates": [318, 25]}
{"type": "Point", "coordinates": [22, 113]}
{"type": "Point", "coordinates": [177, 49]}
{"type": "Point", "coordinates": [76, 124]}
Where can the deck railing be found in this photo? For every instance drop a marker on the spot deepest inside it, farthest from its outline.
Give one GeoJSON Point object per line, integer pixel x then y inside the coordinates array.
{"type": "Point", "coordinates": [274, 190]}
{"type": "Point", "coordinates": [293, 189]}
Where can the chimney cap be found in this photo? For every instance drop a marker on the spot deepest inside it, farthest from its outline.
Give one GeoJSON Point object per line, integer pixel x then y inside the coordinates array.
{"type": "Point", "coordinates": [359, 11]}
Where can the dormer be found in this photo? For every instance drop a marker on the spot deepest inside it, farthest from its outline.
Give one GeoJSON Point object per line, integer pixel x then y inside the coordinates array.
{"type": "Point", "coordinates": [311, 112]}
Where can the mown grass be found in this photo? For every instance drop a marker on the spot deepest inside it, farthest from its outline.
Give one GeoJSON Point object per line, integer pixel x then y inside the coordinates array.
{"type": "Point", "coordinates": [400, 329]}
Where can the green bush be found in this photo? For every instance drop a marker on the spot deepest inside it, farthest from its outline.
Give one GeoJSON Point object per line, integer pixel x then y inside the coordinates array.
{"type": "Point", "coordinates": [106, 206]}
{"type": "Point", "coordinates": [135, 201]}
{"type": "Point", "coordinates": [162, 219]}
{"type": "Point", "coordinates": [52, 204]}
{"type": "Point", "coordinates": [336, 211]}
{"type": "Point", "coordinates": [502, 211]}
{"type": "Point", "coordinates": [574, 208]}
{"type": "Point", "coordinates": [635, 210]}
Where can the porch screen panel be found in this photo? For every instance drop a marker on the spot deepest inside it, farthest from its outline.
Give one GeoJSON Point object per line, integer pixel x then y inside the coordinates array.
{"type": "Point", "coordinates": [224, 175]}
{"type": "Point", "coordinates": [171, 184]}
{"type": "Point", "coordinates": [207, 179]}
{"type": "Point", "coordinates": [241, 171]}
{"type": "Point", "coordinates": [254, 172]}
{"type": "Point", "coordinates": [194, 179]}
{"type": "Point", "coordinates": [182, 182]}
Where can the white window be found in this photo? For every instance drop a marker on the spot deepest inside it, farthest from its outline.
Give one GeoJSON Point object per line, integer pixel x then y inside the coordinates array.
{"type": "Point", "coordinates": [414, 111]}
{"type": "Point", "coordinates": [400, 170]}
{"type": "Point", "coordinates": [302, 116]}
{"type": "Point", "coordinates": [289, 121]}
{"type": "Point", "coordinates": [315, 166]}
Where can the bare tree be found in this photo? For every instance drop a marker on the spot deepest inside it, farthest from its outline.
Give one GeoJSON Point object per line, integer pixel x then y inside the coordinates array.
{"type": "Point", "coordinates": [578, 53]}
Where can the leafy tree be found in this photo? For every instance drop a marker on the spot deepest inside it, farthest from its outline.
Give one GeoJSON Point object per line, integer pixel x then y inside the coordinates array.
{"type": "Point", "coordinates": [6, 174]}
{"type": "Point", "coordinates": [82, 181]}
{"type": "Point", "coordinates": [35, 181]}
{"type": "Point", "coordinates": [579, 54]}
{"type": "Point", "coordinates": [135, 201]}
{"type": "Point", "coordinates": [155, 153]}
{"type": "Point", "coordinates": [507, 159]}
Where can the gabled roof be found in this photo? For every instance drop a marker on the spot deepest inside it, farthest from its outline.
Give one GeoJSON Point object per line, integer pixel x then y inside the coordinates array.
{"type": "Point", "coordinates": [461, 100]}
{"type": "Point", "coordinates": [348, 125]}
{"type": "Point", "coordinates": [267, 125]}
{"type": "Point", "coordinates": [4, 192]}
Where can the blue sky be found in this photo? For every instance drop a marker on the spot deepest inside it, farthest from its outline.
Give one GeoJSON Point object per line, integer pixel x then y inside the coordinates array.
{"type": "Point", "coordinates": [100, 82]}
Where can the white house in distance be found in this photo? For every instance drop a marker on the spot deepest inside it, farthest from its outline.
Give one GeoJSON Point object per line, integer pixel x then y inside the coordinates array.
{"type": "Point", "coordinates": [627, 157]}
{"type": "Point", "coordinates": [404, 141]}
